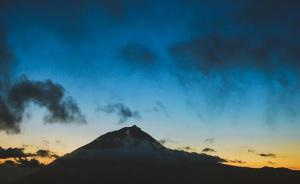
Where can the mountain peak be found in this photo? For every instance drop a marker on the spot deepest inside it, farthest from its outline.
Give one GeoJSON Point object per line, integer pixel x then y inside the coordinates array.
{"type": "Point", "coordinates": [133, 128]}
{"type": "Point", "coordinates": [126, 138]}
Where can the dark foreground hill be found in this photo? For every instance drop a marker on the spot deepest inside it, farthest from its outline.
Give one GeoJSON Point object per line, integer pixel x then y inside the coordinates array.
{"type": "Point", "coordinates": [130, 155]}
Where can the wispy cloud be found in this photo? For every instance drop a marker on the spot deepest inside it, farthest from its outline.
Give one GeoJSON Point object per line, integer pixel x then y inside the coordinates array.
{"type": "Point", "coordinates": [123, 112]}
{"type": "Point", "coordinates": [268, 155]}
{"type": "Point", "coordinates": [208, 150]}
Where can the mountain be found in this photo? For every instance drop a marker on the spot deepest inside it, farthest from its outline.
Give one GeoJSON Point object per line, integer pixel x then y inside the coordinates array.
{"type": "Point", "coordinates": [130, 155]}
{"type": "Point", "coordinates": [125, 138]}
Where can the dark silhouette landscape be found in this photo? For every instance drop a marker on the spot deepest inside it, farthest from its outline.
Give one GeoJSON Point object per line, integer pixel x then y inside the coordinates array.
{"type": "Point", "coordinates": [130, 155]}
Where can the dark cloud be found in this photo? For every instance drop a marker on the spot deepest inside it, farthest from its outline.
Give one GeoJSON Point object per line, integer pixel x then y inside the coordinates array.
{"type": "Point", "coordinates": [121, 110]}
{"type": "Point", "coordinates": [259, 38]}
{"type": "Point", "coordinates": [269, 13]}
{"type": "Point", "coordinates": [9, 120]}
{"type": "Point", "coordinates": [19, 153]}
{"type": "Point", "coordinates": [47, 94]}
{"type": "Point", "coordinates": [223, 60]}
{"type": "Point", "coordinates": [13, 153]}
{"type": "Point", "coordinates": [15, 95]}
{"type": "Point", "coordinates": [31, 163]}
{"type": "Point", "coordinates": [186, 148]}
{"type": "Point", "coordinates": [215, 52]}
{"type": "Point", "coordinates": [68, 19]}
{"type": "Point", "coordinates": [24, 162]}
{"type": "Point", "coordinates": [7, 117]}
{"type": "Point", "coordinates": [6, 61]}
{"type": "Point", "coordinates": [208, 150]}
{"type": "Point", "coordinates": [269, 155]}
{"type": "Point", "coordinates": [138, 54]}
{"type": "Point", "coordinates": [237, 161]}
{"type": "Point", "coordinates": [46, 154]}
{"type": "Point", "coordinates": [43, 153]}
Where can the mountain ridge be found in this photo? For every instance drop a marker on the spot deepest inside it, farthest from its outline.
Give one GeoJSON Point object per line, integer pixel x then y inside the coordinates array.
{"type": "Point", "coordinates": [125, 137]}
{"type": "Point", "coordinates": [130, 155]}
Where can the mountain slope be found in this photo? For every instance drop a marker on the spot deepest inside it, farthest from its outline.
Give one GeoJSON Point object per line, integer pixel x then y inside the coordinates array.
{"type": "Point", "coordinates": [130, 155]}
{"type": "Point", "coordinates": [128, 137]}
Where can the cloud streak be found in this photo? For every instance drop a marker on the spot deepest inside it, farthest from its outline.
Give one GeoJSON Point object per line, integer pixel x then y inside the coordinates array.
{"type": "Point", "coordinates": [124, 113]}
{"type": "Point", "coordinates": [267, 155]}
{"type": "Point", "coordinates": [13, 153]}
{"type": "Point", "coordinates": [206, 150]}
{"type": "Point", "coordinates": [20, 153]}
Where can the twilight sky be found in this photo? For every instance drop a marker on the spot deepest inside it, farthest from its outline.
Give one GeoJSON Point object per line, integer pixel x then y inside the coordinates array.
{"type": "Point", "coordinates": [195, 74]}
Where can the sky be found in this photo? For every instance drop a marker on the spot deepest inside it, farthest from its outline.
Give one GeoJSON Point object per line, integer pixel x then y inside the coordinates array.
{"type": "Point", "coordinates": [194, 74]}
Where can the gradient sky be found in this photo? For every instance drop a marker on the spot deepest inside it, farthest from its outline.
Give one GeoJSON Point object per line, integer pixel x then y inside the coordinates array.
{"type": "Point", "coordinates": [208, 73]}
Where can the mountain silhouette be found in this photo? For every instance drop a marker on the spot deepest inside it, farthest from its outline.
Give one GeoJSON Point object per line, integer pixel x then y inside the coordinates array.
{"type": "Point", "coordinates": [125, 138]}
{"type": "Point", "coordinates": [130, 155]}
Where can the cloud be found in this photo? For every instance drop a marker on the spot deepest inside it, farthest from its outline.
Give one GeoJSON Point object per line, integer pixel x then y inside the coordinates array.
{"type": "Point", "coordinates": [269, 155]}
{"type": "Point", "coordinates": [61, 108]}
{"type": "Point", "coordinates": [46, 154]}
{"type": "Point", "coordinates": [19, 153]}
{"type": "Point", "coordinates": [121, 110]}
{"type": "Point", "coordinates": [208, 150]}
{"type": "Point", "coordinates": [6, 61]}
{"type": "Point", "coordinates": [15, 95]}
{"type": "Point", "coordinates": [215, 52]}
{"type": "Point", "coordinates": [229, 64]}
{"type": "Point", "coordinates": [13, 153]}
{"type": "Point", "coordinates": [24, 162]}
{"type": "Point", "coordinates": [186, 148]}
{"type": "Point", "coordinates": [138, 54]}
{"type": "Point", "coordinates": [165, 141]}
{"type": "Point", "coordinates": [243, 42]}
{"type": "Point", "coordinates": [274, 12]}
{"type": "Point", "coordinates": [237, 161]}
{"type": "Point", "coordinates": [9, 120]}
{"type": "Point", "coordinates": [45, 94]}
{"type": "Point", "coordinates": [160, 107]}
{"type": "Point", "coordinates": [31, 163]}
{"type": "Point", "coordinates": [67, 20]}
